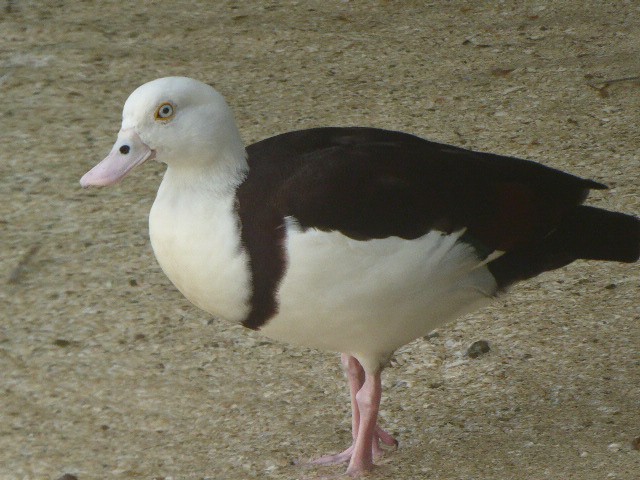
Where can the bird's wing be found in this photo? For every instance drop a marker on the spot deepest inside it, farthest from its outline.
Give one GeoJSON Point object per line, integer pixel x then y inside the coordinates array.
{"type": "Point", "coordinates": [371, 183]}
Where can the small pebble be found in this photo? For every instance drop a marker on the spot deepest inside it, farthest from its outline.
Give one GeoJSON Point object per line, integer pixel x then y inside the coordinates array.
{"type": "Point", "coordinates": [614, 447]}
{"type": "Point", "coordinates": [68, 476]}
{"type": "Point", "coordinates": [478, 348]}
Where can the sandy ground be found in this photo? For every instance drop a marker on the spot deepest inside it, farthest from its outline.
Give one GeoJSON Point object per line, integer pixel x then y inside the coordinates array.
{"type": "Point", "coordinates": [107, 372]}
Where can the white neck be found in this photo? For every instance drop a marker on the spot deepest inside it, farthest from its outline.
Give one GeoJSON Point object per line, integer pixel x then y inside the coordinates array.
{"type": "Point", "coordinates": [222, 176]}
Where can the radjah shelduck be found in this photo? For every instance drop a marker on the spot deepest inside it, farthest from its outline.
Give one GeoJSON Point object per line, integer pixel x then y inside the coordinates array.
{"type": "Point", "coordinates": [356, 240]}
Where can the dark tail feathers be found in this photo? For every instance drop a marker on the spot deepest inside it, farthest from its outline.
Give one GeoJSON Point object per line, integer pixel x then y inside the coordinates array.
{"type": "Point", "coordinates": [587, 232]}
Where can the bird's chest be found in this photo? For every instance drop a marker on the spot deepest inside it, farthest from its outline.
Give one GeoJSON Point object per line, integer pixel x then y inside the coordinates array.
{"type": "Point", "coordinates": [196, 241]}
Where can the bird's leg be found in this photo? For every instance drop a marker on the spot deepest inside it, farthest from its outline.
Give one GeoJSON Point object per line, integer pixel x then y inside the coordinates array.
{"type": "Point", "coordinates": [368, 401]}
{"type": "Point", "coordinates": [356, 377]}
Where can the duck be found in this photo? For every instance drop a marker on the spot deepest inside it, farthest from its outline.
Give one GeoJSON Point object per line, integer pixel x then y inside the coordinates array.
{"type": "Point", "coordinates": [355, 240]}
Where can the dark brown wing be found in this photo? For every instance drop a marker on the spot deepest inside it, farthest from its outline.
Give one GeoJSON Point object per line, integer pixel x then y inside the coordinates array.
{"type": "Point", "coordinates": [371, 183]}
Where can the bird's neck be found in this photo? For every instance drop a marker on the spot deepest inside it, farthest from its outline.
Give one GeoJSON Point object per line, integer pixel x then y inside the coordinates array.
{"type": "Point", "coordinates": [221, 175]}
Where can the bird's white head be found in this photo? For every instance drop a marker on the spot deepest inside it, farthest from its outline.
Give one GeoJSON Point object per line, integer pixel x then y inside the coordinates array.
{"type": "Point", "coordinates": [176, 120]}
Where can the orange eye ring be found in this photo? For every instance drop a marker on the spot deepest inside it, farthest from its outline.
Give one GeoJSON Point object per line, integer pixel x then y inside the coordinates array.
{"type": "Point", "coordinates": [165, 112]}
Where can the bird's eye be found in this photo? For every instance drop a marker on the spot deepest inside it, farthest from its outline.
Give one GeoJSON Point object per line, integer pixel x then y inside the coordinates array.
{"type": "Point", "coordinates": [164, 111]}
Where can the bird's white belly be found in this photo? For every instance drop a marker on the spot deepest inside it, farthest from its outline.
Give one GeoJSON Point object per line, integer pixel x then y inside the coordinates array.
{"type": "Point", "coordinates": [368, 298]}
{"type": "Point", "coordinates": [197, 244]}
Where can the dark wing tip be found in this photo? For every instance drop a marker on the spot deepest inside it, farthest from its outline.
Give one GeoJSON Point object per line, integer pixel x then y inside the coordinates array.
{"type": "Point", "coordinates": [593, 185]}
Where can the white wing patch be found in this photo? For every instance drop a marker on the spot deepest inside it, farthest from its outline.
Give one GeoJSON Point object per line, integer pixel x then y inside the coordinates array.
{"type": "Point", "coordinates": [368, 298]}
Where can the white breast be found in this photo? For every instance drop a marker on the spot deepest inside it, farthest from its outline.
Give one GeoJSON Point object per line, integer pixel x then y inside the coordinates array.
{"type": "Point", "coordinates": [195, 237]}
{"type": "Point", "coordinates": [368, 298]}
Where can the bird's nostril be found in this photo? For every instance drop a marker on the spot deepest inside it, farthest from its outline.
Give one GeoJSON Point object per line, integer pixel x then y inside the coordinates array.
{"type": "Point", "coordinates": [124, 149]}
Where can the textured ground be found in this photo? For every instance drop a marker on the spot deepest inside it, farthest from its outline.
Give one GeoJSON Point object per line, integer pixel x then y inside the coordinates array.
{"type": "Point", "coordinates": [107, 372]}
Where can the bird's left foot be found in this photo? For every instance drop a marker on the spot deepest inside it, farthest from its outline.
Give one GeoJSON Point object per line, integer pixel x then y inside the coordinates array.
{"type": "Point", "coordinates": [335, 459]}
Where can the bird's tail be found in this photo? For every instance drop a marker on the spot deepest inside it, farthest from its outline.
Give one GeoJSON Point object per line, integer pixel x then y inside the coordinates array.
{"type": "Point", "coordinates": [586, 232]}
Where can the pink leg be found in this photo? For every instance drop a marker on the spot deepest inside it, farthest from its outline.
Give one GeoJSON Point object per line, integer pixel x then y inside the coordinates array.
{"type": "Point", "coordinates": [368, 400]}
{"type": "Point", "coordinates": [356, 376]}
